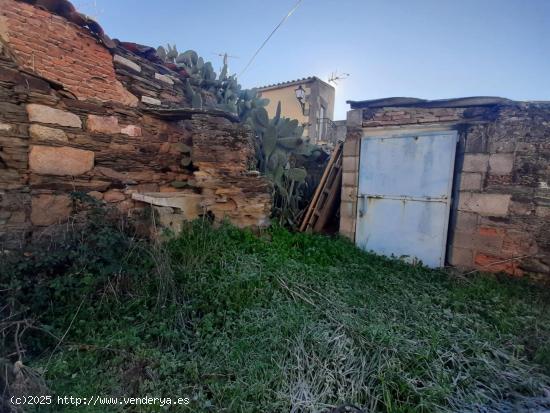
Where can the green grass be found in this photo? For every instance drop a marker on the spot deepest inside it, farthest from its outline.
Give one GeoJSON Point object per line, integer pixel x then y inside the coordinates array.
{"type": "Point", "coordinates": [278, 322]}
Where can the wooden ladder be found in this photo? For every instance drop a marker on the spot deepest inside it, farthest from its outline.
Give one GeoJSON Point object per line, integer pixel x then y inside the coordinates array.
{"type": "Point", "coordinates": [322, 203]}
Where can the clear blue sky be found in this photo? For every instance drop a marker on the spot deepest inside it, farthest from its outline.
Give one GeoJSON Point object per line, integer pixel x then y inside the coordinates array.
{"type": "Point", "coordinates": [420, 48]}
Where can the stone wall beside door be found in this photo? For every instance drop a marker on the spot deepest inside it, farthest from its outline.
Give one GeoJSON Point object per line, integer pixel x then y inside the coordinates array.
{"type": "Point", "coordinates": [501, 218]}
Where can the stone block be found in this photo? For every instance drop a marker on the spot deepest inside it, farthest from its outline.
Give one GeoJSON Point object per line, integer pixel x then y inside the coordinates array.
{"type": "Point", "coordinates": [167, 219]}
{"type": "Point", "coordinates": [475, 162]}
{"type": "Point", "coordinates": [427, 118]}
{"type": "Point", "coordinates": [354, 118]}
{"type": "Point", "coordinates": [448, 118]}
{"type": "Point", "coordinates": [349, 179]}
{"type": "Point", "coordinates": [501, 163]}
{"type": "Point", "coordinates": [46, 114]}
{"type": "Point", "coordinates": [493, 181]}
{"type": "Point", "coordinates": [475, 141]}
{"type": "Point", "coordinates": [470, 181]}
{"type": "Point", "coordinates": [125, 206]}
{"type": "Point", "coordinates": [4, 127]}
{"type": "Point", "coordinates": [461, 257]}
{"type": "Point", "coordinates": [113, 196]}
{"type": "Point", "coordinates": [492, 263]}
{"type": "Point", "coordinates": [151, 101]}
{"type": "Point", "coordinates": [347, 224]}
{"type": "Point", "coordinates": [347, 209]}
{"type": "Point", "coordinates": [518, 242]}
{"type": "Point", "coordinates": [507, 144]}
{"type": "Point", "coordinates": [542, 211]}
{"type": "Point", "coordinates": [534, 265]}
{"type": "Point", "coordinates": [354, 134]}
{"type": "Point", "coordinates": [103, 124]}
{"type": "Point", "coordinates": [521, 208]}
{"type": "Point", "coordinates": [96, 195]}
{"type": "Point", "coordinates": [495, 205]}
{"type": "Point", "coordinates": [44, 133]}
{"type": "Point", "coordinates": [466, 222]}
{"type": "Point", "coordinates": [111, 173]}
{"type": "Point", "coordinates": [490, 231]}
{"type": "Point", "coordinates": [189, 205]}
{"type": "Point", "coordinates": [48, 209]}
{"type": "Point", "coordinates": [348, 235]}
{"type": "Point", "coordinates": [124, 96]}
{"type": "Point", "coordinates": [127, 63]}
{"type": "Point", "coordinates": [164, 78]}
{"type": "Point", "coordinates": [350, 164]}
{"type": "Point", "coordinates": [131, 130]}
{"type": "Point", "coordinates": [352, 147]}
{"type": "Point", "coordinates": [17, 217]}
{"type": "Point", "coordinates": [480, 241]}
{"type": "Point", "coordinates": [61, 161]}
{"type": "Point", "coordinates": [147, 188]}
{"type": "Point", "coordinates": [349, 194]}
{"type": "Point", "coordinates": [7, 74]}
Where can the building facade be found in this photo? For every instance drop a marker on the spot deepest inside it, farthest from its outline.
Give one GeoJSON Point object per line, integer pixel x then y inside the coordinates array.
{"type": "Point", "coordinates": [310, 100]}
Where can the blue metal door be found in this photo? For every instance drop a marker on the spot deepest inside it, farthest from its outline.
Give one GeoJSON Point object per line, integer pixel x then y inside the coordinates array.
{"type": "Point", "coordinates": [405, 184]}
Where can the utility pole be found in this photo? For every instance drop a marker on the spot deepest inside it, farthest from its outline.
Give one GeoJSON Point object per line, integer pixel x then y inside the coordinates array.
{"type": "Point", "coordinates": [226, 56]}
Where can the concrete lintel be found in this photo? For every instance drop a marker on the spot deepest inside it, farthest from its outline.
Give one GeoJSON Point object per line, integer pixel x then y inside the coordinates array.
{"type": "Point", "coordinates": [178, 200]}
{"type": "Point", "coordinates": [406, 129]}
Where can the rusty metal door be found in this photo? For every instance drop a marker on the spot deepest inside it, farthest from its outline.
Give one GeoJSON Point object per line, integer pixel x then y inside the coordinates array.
{"type": "Point", "coordinates": [405, 184]}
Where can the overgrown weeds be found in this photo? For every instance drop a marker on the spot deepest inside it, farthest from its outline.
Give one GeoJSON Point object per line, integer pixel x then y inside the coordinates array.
{"type": "Point", "coordinates": [271, 322]}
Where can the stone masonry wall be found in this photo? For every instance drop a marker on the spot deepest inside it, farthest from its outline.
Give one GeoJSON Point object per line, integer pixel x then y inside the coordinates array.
{"type": "Point", "coordinates": [54, 142]}
{"type": "Point", "coordinates": [502, 220]}
{"type": "Point", "coordinates": [501, 215]}
{"type": "Point", "coordinates": [226, 173]}
{"type": "Point", "coordinates": [48, 45]}
{"type": "Point", "coordinates": [350, 174]}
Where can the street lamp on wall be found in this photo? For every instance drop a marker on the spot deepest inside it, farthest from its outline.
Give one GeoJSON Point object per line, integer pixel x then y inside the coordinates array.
{"type": "Point", "coordinates": [301, 97]}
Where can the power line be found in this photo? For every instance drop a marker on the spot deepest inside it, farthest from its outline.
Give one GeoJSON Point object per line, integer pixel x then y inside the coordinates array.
{"type": "Point", "coordinates": [269, 37]}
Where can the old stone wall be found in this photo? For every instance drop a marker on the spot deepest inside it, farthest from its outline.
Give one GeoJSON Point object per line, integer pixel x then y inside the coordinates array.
{"type": "Point", "coordinates": [50, 46]}
{"type": "Point", "coordinates": [500, 219]}
{"type": "Point", "coordinates": [350, 174]}
{"type": "Point", "coordinates": [58, 137]}
{"type": "Point", "coordinates": [226, 172]}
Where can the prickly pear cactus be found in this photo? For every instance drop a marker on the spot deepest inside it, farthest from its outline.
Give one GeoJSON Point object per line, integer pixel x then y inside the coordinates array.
{"type": "Point", "coordinates": [279, 141]}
